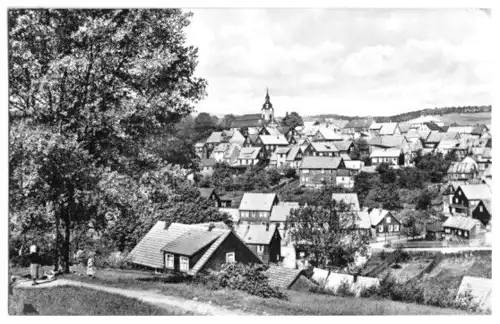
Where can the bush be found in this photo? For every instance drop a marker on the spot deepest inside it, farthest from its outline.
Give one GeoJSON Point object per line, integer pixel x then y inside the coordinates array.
{"type": "Point", "coordinates": [248, 278]}
{"type": "Point", "coordinates": [23, 261]}
{"type": "Point", "coordinates": [344, 289]}
{"type": "Point", "coordinates": [115, 260]}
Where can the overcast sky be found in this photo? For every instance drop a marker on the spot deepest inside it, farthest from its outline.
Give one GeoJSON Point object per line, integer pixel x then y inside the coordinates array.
{"type": "Point", "coordinates": [352, 62]}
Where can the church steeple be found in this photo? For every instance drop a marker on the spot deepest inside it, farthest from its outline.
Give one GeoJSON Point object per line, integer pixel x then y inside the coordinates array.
{"type": "Point", "coordinates": [267, 108]}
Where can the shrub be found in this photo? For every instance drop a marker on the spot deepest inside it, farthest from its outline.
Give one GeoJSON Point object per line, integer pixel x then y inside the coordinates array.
{"type": "Point", "coordinates": [344, 289]}
{"type": "Point", "coordinates": [115, 260]}
{"type": "Point", "coordinates": [248, 278]}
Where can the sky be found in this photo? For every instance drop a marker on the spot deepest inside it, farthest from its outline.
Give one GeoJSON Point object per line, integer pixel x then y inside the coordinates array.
{"type": "Point", "coordinates": [342, 61]}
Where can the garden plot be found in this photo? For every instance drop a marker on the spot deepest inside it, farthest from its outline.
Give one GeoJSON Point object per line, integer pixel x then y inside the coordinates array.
{"type": "Point", "coordinates": [406, 270]}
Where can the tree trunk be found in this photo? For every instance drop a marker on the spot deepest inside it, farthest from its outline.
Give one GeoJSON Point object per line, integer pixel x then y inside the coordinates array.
{"type": "Point", "coordinates": [67, 233]}
{"type": "Point", "coordinates": [57, 260]}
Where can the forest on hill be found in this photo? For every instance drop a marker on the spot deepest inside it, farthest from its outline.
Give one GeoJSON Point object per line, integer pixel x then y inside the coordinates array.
{"type": "Point", "coordinates": [409, 115]}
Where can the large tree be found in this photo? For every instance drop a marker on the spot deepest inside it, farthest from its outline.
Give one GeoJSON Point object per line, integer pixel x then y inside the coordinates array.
{"type": "Point", "coordinates": [292, 120]}
{"type": "Point", "coordinates": [326, 235]}
{"type": "Point", "coordinates": [98, 84]}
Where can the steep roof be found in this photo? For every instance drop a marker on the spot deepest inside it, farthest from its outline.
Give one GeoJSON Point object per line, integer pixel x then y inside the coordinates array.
{"type": "Point", "coordinates": [359, 124]}
{"type": "Point", "coordinates": [251, 152]}
{"type": "Point", "coordinates": [363, 220]}
{"type": "Point", "coordinates": [433, 126]}
{"type": "Point", "coordinates": [148, 251]}
{"type": "Point", "coordinates": [324, 147]}
{"type": "Point", "coordinates": [320, 162]}
{"type": "Point", "coordinates": [215, 137]}
{"type": "Point", "coordinates": [344, 145]}
{"type": "Point", "coordinates": [221, 147]}
{"type": "Point", "coordinates": [404, 127]}
{"type": "Point", "coordinates": [282, 277]}
{"type": "Point", "coordinates": [350, 199]}
{"type": "Point", "coordinates": [476, 191]}
{"type": "Point", "coordinates": [463, 223]}
{"type": "Point", "coordinates": [282, 210]}
{"type": "Point", "coordinates": [375, 126]}
{"type": "Point", "coordinates": [237, 138]}
{"type": "Point", "coordinates": [282, 150]}
{"type": "Point", "coordinates": [273, 130]}
{"type": "Point", "coordinates": [461, 129]}
{"type": "Point", "coordinates": [206, 192]}
{"type": "Point", "coordinates": [292, 153]}
{"type": "Point", "coordinates": [353, 164]}
{"type": "Point", "coordinates": [392, 152]}
{"type": "Point", "coordinates": [257, 201]}
{"type": "Point", "coordinates": [200, 144]}
{"type": "Point", "coordinates": [191, 242]}
{"type": "Point", "coordinates": [466, 166]}
{"type": "Point", "coordinates": [388, 141]}
{"type": "Point", "coordinates": [273, 139]}
{"type": "Point", "coordinates": [434, 137]}
{"type": "Point", "coordinates": [388, 128]}
{"type": "Point", "coordinates": [376, 215]}
{"type": "Point", "coordinates": [257, 234]}
{"type": "Point", "coordinates": [330, 134]}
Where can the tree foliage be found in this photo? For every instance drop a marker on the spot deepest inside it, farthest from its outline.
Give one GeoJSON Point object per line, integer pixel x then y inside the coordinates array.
{"type": "Point", "coordinates": [325, 235]}
{"type": "Point", "coordinates": [97, 86]}
{"type": "Point", "coordinates": [292, 120]}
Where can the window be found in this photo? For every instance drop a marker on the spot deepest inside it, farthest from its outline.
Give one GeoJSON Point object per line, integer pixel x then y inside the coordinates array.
{"type": "Point", "coordinates": [184, 267]}
{"type": "Point", "coordinates": [260, 248]}
{"type": "Point", "coordinates": [396, 228]}
{"type": "Point", "coordinates": [169, 261]}
{"type": "Point", "coordinates": [381, 228]}
{"type": "Point", "coordinates": [387, 220]}
{"type": "Point", "coordinates": [456, 200]}
{"type": "Point", "coordinates": [305, 171]}
{"type": "Point", "coordinates": [481, 209]}
{"type": "Point", "coordinates": [390, 228]}
{"type": "Point", "coordinates": [466, 234]}
{"type": "Point", "coordinates": [459, 232]}
{"type": "Point", "coordinates": [230, 257]}
{"type": "Point", "coordinates": [447, 230]}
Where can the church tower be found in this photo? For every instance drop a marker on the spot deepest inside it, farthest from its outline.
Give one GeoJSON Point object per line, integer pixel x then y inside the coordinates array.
{"type": "Point", "coordinates": [267, 109]}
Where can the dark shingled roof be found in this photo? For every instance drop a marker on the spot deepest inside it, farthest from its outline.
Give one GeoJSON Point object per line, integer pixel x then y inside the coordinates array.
{"type": "Point", "coordinates": [359, 124]}
{"type": "Point", "coordinates": [191, 242]}
{"type": "Point", "coordinates": [282, 277]}
{"type": "Point", "coordinates": [433, 126]}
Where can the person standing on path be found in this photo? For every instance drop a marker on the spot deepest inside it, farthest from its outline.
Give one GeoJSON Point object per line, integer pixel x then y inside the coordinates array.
{"type": "Point", "coordinates": [34, 263]}
{"type": "Point", "coordinates": [91, 265]}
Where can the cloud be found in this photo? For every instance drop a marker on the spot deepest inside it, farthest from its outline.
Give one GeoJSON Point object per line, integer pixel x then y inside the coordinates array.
{"type": "Point", "coordinates": [342, 61]}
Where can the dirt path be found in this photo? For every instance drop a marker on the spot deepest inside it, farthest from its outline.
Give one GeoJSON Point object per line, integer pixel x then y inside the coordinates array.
{"type": "Point", "coordinates": [198, 308]}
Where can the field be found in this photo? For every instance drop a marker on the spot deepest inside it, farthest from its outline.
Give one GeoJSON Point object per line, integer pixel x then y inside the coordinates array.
{"type": "Point", "coordinates": [298, 303]}
{"type": "Point", "coordinates": [467, 118]}
{"type": "Point", "coordinates": [80, 301]}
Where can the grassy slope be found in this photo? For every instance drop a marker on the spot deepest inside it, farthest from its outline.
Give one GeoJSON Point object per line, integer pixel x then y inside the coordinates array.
{"type": "Point", "coordinates": [299, 303]}
{"type": "Point", "coordinates": [81, 301]}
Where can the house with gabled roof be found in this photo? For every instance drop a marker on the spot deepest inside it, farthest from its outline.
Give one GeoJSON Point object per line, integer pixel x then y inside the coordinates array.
{"type": "Point", "coordinates": [294, 156]}
{"type": "Point", "coordinates": [271, 142]}
{"type": "Point", "coordinates": [263, 240]}
{"type": "Point", "coordinates": [323, 149]}
{"type": "Point", "coordinates": [268, 130]}
{"type": "Point", "coordinates": [393, 156]}
{"type": "Point", "coordinates": [463, 171]}
{"type": "Point", "coordinates": [290, 133]}
{"type": "Point", "coordinates": [280, 214]}
{"type": "Point", "coordinates": [355, 127]}
{"type": "Point", "coordinates": [207, 167]}
{"type": "Point", "coordinates": [483, 211]}
{"type": "Point", "coordinates": [214, 139]}
{"type": "Point", "coordinates": [463, 227]}
{"type": "Point", "coordinates": [237, 138]}
{"type": "Point", "coordinates": [191, 249]}
{"type": "Point", "coordinates": [483, 157]}
{"type": "Point", "coordinates": [255, 208]}
{"type": "Point", "coordinates": [210, 194]}
{"type": "Point", "coordinates": [250, 140]}
{"type": "Point", "coordinates": [317, 171]}
{"type": "Point", "coordinates": [201, 150]}
{"type": "Point", "coordinates": [327, 135]}
{"type": "Point", "coordinates": [286, 278]}
{"type": "Point", "coordinates": [389, 129]}
{"type": "Point", "coordinates": [251, 156]}
{"type": "Point", "coordinates": [278, 159]}
{"type": "Point", "coordinates": [467, 197]}
{"type": "Point", "coordinates": [218, 151]}
{"type": "Point", "coordinates": [384, 222]}
{"type": "Point", "coordinates": [248, 121]}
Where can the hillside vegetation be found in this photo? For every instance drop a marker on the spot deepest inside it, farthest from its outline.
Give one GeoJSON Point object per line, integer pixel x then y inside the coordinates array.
{"type": "Point", "coordinates": [413, 114]}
